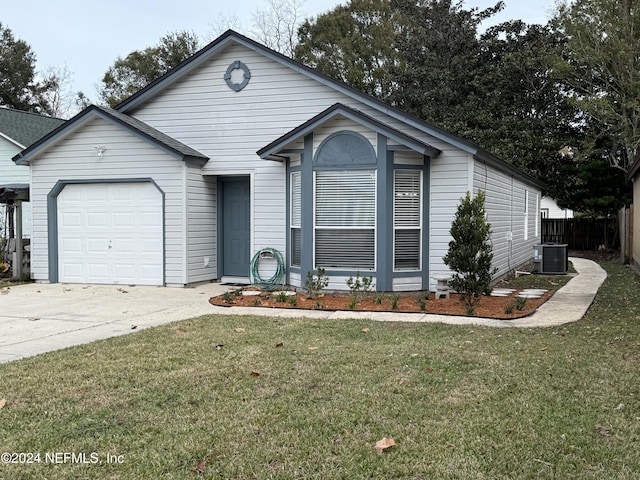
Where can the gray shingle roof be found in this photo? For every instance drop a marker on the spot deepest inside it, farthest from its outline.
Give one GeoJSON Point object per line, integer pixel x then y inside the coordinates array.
{"type": "Point", "coordinates": [26, 128]}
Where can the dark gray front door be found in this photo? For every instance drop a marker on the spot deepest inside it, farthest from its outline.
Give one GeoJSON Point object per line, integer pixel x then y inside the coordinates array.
{"type": "Point", "coordinates": [236, 227]}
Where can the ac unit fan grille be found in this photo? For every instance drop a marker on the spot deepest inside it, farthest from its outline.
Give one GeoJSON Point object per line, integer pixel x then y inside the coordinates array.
{"type": "Point", "coordinates": [554, 260]}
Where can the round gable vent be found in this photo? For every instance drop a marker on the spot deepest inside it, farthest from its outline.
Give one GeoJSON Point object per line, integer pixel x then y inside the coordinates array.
{"type": "Point", "coordinates": [237, 76]}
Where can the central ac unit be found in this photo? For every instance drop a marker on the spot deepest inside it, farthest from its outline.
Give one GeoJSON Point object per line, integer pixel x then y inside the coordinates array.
{"type": "Point", "coordinates": [550, 258]}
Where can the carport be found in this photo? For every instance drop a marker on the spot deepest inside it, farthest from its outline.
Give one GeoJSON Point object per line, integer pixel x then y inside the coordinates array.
{"type": "Point", "coordinates": [13, 195]}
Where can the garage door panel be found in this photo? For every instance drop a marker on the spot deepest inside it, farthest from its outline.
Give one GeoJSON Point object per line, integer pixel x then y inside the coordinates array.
{"type": "Point", "coordinates": [97, 246]}
{"type": "Point", "coordinates": [150, 246]}
{"type": "Point", "coordinates": [149, 272]}
{"type": "Point", "coordinates": [95, 192]}
{"type": "Point", "coordinates": [124, 246]}
{"type": "Point", "coordinates": [71, 246]}
{"type": "Point", "coordinates": [97, 219]}
{"type": "Point", "coordinates": [73, 272]}
{"type": "Point", "coordinates": [68, 219]}
{"type": "Point", "coordinates": [97, 272]}
{"type": "Point", "coordinates": [123, 219]}
{"type": "Point", "coordinates": [110, 233]}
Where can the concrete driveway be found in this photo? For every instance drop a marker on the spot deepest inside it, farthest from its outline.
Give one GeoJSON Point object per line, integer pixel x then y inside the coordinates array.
{"type": "Point", "coordinates": [37, 318]}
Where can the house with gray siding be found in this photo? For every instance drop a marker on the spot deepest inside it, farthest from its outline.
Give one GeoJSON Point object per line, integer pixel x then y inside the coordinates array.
{"type": "Point", "coordinates": [240, 149]}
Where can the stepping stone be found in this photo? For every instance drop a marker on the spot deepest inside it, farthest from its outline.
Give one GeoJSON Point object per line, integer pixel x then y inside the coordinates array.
{"type": "Point", "coordinates": [287, 293]}
{"type": "Point", "coordinates": [250, 293]}
{"type": "Point", "coordinates": [502, 292]}
{"type": "Point", "coordinates": [538, 291]}
{"type": "Point", "coordinates": [529, 295]}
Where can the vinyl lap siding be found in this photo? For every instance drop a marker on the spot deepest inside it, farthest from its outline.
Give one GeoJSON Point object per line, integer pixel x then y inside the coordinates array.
{"type": "Point", "coordinates": [201, 205]}
{"type": "Point", "coordinates": [127, 156]}
{"type": "Point", "coordinates": [449, 183]}
{"type": "Point", "coordinates": [505, 206]}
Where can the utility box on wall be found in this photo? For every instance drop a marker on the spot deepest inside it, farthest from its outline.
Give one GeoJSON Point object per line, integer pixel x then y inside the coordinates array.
{"type": "Point", "coordinates": [551, 258]}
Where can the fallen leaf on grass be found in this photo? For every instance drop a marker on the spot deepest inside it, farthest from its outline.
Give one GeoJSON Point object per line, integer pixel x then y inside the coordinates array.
{"type": "Point", "coordinates": [200, 468]}
{"type": "Point", "coordinates": [218, 347]}
{"type": "Point", "coordinates": [602, 430]}
{"type": "Point", "coordinates": [255, 374]}
{"type": "Point", "coordinates": [278, 345]}
{"type": "Point", "coordinates": [313, 348]}
{"type": "Point", "coordinates": [33, 319]}
{"type": "Point", "coordinates": [3, 402]}
{"type": "Point", "coordinates": [384, 444]}
{"type": "Point", "coordinates": [365, 330]}
{"type": "Point", "coordinates": [239, 330]}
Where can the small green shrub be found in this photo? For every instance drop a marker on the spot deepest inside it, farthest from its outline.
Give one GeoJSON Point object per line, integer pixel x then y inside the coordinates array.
{"type": "Point", "coordinates": [359, 286]}
{"type": "Point", "coordinates": [226, 296]}
{"type": "Point", "coordinates": [293, 301]}
{"type": "Point", "coordinates": [394, 302]}
{"type": "Point", "coordinates": [281, 297]}
{"type": "Point", "coordinates": [520, 303]}
{"type": "Point", "coordinates": [422, 303]}
{"type": "Point", "coordinates": [379, 299]}
{"type": "Point", "coordinates": [315, 283]}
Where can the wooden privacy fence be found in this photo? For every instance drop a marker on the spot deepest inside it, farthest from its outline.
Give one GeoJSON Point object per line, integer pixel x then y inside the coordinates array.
{"type": "Point", "coordinates": [582, 233]}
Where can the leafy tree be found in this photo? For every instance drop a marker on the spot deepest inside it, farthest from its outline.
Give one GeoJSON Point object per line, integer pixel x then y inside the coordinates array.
{"type": "Point", "coordinates": [470, 252]}
{"type": "Point", "coordinates": [276, 25]}
{"type": "Point", "coordinates": [525, 115]}
{"type": "Point", "coordinates": [139, 68]}
{"type": "Point", "coordinates": [603, 69]}
{"type": "Point", "coordinates": [587, 183]}
{"type": "Point", "coordinates": [19, 88]}
{"type": "Point", "coordinates": [353, 43]}
{"type": "Point", "coordinates": [440, 61]}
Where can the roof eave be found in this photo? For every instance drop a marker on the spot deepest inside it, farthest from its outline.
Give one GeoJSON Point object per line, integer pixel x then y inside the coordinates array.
{"type": "Point", "coordinates": [274, 148]}
{"type": "Point", "coordinates": [486, 157]}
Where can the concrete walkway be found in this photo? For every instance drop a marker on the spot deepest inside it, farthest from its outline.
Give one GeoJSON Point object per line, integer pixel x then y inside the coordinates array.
{"type": "Point", "coordinates": [568, 304]}
{"type": "Point", "coordinates": [38, 318]}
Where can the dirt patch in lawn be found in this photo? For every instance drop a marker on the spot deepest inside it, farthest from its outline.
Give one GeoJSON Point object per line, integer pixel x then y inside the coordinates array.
{"type": "Point", "coordinates": [509, 307]}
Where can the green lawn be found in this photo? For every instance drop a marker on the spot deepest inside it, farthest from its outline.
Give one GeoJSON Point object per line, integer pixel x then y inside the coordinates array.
{"type": "Point", "coordinates": [294, 398]}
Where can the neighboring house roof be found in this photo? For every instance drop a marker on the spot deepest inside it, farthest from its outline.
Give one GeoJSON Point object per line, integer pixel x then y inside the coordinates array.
{"type": "Point", "coordinates": [347, 112]}
{"type": "Point", "coordinates": [14, 191]}
{"type": "Point", "coordinates": [163, 141]}
{"type": "Point", "coordinates": [231, 37]}
{"type": "Point", "coordinates": [24, 128]}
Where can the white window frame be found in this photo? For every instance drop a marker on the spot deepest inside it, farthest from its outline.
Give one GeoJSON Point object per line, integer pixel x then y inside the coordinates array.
{"type": "Point", "coordinates": [295, 224]}
{"type": "Point", "coordinates": [373, 227]}
{"type": "Point", "coordinates": [418, 226]}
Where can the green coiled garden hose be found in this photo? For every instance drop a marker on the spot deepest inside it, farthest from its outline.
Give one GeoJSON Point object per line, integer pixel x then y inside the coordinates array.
{"type": "Point", "coordinates": [277, 279]}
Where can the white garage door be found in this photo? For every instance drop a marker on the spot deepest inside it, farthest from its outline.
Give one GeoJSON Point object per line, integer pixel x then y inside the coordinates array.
{"type": "Point", "coordinates": [110, 233]}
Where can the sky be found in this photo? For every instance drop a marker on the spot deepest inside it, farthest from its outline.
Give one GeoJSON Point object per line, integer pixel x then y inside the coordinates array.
{"type": "Point", "coordinates": [85, 37]}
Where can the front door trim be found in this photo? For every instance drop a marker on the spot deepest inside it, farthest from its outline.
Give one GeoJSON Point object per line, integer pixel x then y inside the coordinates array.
{"type": "Point", "coordinates": [221, 230]}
